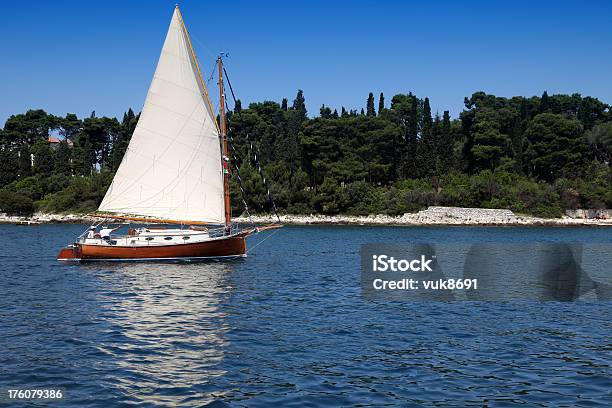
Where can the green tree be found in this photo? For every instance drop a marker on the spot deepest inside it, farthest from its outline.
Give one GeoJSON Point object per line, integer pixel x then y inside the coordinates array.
{"type": "Point", "coordinates": [381, 103]}
{"type": "Point", "coordinates": [24, 161]}
{"type": "Point", "coordinates": [600, 139]}
{"type": "Point", "coordinates": [370, 105]}
{"type": "Point", "coordinates": [83, 157]}
{"type": "Point", "coordinates": [325, 112]}
{"type": "Point", "coordinates": [427, 119]}
{"type": "Point", "coordinates": [43, 158]}
{"type": "Point", "coordinates": [63, 159]}
{"type": "Point", "coordinates": [299, 104]}
{"type": "Point", "coordinates": [28, 128]}
{"type": "Point", "coordinates": [122, 136]}
{"type": "Point", "coordinates": [70, 126]}
{"type": "Point", "coordinates": [9, 166]}
{"type": "Point", "coordinates": [557, 146]}
{"type": "Point", "coordinates": [14, 203]}
{"type": "Point", "coordinates": [237, 106]}
{"type": "Point", "coordinates": [544, 103]}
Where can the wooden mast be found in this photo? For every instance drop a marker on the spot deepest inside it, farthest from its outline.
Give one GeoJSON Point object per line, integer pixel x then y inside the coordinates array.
{"type": "Point", "coordinates": [225, 153]}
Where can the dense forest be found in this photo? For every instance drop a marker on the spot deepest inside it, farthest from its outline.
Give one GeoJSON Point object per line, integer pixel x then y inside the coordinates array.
{"type": "Point", "coordinates": [536, 155]}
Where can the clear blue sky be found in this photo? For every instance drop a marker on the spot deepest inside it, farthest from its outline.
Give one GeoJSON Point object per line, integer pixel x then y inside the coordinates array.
{"type": "Point", "coordinates": [77, 56]}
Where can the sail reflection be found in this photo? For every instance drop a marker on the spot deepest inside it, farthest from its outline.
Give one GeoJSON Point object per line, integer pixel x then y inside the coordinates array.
{"type": "Point", "coordinates": [166, 329]}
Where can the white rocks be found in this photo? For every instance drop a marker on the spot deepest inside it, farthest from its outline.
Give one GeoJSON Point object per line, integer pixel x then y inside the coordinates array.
{"type": "Point", "coordinates": [46, 218]}
{"type": "Point", "coordinates": [590, 213]}
{"type": "Point", "coordinates": [429, 216]}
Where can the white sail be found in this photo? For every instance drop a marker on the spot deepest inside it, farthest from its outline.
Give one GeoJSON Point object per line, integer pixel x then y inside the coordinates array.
{"type": "Point", "coordinates": [172, 168]}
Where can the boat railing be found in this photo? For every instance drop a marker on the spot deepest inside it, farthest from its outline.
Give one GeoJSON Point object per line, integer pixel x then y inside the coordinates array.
{"type": "Point", "coordinates": [213, 232]}
{"type": "Point", "coordinates": [234, 228]}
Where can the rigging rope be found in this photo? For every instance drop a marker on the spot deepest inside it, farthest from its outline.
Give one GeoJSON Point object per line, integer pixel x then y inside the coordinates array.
{"type": "Point", "coordinates": [261, 242]}
{"type": "Point", "coordinates": [252, 149]}
{"type": "Point", "coordinates": [240, 185]}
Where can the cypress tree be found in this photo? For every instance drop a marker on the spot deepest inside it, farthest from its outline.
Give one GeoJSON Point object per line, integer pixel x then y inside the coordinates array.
{"type": "Point", "coordinates": [410, 159]}
{"type": "Point", "coordinates": [325, 112]}
{"type": "Point", "coordinates": [544, 103]}
{"type": "Point", "coordinates": [446, 121]}
{"type": "Point", "coordinates": [446, 143]}
{"type": "Point", "coordinates": [413, 118]}
{"type": "Point", "coordinates": [299, 104]}
{"type": "Point", "coordinates": [370, 105]}
{"type": "Point", "coordinates": [295, 118]}
{"type": "Point", "coordinates": [362, 112]}
{"type": "Point", "coordinates": [427, 120]}
{"type": "Point", "coordinates": [284, 104]}
{"type": "Point", "coordinates": [381, 103]}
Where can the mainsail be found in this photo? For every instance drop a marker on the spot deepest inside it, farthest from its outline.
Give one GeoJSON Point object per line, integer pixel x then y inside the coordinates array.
{"type": "Point", "coordinates": [172, 168]}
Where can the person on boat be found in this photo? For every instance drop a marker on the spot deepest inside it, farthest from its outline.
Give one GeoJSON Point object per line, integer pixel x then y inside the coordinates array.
{"type": "Point", "coordinates": [92, 231]}
{"type": "Point", "coordinates": [105, 232]}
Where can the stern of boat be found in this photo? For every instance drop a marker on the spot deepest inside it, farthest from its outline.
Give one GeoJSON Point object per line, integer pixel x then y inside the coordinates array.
{"type": "Point", "coordinates": [70, 253]}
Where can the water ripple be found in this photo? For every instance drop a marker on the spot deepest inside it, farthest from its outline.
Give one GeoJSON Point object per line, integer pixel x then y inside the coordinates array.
{"type": "Point", "coordinates": [288, 326]}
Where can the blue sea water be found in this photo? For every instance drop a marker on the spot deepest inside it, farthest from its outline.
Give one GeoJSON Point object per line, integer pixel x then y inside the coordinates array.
{"type": "Point", "coordinates": [288, 326]}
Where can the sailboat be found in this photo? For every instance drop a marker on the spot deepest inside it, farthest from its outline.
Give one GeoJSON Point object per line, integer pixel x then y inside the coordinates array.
{"type": "Point", "coordinates": [175, 172]}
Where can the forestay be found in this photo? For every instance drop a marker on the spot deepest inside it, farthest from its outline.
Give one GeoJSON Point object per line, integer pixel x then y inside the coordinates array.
{"type": "Point", "coordinates": [172, 168]}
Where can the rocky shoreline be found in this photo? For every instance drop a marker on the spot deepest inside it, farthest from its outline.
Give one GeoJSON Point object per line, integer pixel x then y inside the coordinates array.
{"type": "Point", "coordinates": [434, 216]}
{"type": "Point", "coordinates": [430, 216]}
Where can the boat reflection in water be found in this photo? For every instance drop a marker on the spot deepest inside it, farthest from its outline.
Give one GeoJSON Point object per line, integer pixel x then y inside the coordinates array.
{"type": "Point", "coordinates": [164, 330]}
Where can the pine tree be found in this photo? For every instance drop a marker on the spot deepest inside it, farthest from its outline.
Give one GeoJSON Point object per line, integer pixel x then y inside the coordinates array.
{"type": "Point", "coordinates": [370, 105]}
{"type": "Point", "coordinates": [70, 126]}
{"type": "Point", "coordinates": [83, 156]}
{"type": "Point", "coordinates": [9, 166]}
{"type": "Point", "coordinates": [25, 162]}
{"type": "Point", "coordinates": [381, 104]}
{"type": "Point", "coordinates": [43, 158]}
{"type": "Point", "coordinates": [62, 159]}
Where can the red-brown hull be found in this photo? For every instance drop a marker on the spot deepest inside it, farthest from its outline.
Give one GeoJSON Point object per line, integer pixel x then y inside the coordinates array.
{"type": "Point", "coordinates": [233, 246]}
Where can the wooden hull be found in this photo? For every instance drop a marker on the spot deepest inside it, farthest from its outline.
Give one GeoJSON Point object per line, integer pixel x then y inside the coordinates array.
{"type": "Point", "coordinates": [226, 247]}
